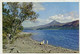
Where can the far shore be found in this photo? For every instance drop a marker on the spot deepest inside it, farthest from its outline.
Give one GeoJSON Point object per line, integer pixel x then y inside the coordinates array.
{"type": "Point", "coordinates": [24, 44]}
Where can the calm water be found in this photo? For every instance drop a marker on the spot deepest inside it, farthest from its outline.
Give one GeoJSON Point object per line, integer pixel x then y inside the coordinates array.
{"type": "Point", "coordinates": [63, 38]}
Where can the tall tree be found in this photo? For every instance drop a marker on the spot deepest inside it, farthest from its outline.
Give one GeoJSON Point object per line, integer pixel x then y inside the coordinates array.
{"type": "Point", "coordinates": [15, 15]}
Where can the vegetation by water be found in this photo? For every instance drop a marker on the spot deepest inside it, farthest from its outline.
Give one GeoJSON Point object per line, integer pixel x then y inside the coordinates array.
{"type": "Point", "coordinates": [13, 15]}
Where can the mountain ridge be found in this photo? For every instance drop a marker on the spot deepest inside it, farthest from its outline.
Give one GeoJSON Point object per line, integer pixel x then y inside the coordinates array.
{"type": "Point", "coordinates": [57, 25]}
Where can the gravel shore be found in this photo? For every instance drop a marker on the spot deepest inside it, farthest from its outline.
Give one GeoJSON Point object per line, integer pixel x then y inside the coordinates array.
{"type": "Point", "coordinates": [25, 44]}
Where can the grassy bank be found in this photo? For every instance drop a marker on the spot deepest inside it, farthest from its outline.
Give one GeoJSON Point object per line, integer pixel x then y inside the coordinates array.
{"type": "Point", "coordinates": [24, 44]}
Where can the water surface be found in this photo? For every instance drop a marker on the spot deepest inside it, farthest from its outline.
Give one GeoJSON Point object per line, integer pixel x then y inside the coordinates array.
{"type": "Point", "coordinates": [61, 38]}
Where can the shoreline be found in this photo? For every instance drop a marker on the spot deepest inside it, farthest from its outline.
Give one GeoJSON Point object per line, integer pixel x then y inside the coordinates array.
{"type": "Point", "coordinates": [25, 44]}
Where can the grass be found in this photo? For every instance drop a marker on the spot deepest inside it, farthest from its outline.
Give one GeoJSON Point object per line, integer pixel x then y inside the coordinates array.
{"type": "Point", "coordinates": [22, 35]}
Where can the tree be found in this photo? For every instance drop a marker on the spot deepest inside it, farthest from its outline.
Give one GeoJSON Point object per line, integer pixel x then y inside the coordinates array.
{"type": "Point", "coordinates": [15, 15]}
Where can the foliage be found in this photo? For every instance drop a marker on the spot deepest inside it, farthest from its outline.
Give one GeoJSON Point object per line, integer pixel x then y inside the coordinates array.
{"type": "Point", "coordinates": [14, 15]}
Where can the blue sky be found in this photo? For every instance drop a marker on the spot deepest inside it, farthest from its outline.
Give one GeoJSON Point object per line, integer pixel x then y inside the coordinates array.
{"type": "Point", "coordinates": [48, 11]}
{"type": "Point", "coordinates": [55, 8]}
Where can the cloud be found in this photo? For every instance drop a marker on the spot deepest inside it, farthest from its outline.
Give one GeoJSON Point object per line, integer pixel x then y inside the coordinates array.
{"type": "Point", "coordinates": [43, 21]}
{"type": "Point", "coordinates": [38, 7]}
{"type": "Point", "coordinates": [28, 23]}
{"type": "Point", "coordinates": [72, 14]}
{"type": "Point", "coordinates": [65, 17]}
{"type": "Point", "coordinates": [38, 22]}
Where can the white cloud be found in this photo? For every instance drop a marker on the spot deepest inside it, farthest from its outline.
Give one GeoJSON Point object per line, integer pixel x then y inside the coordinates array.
{"type": "Point", "coordinates": [38, 22]}
{"type": "Point", "coordinates": [38, 7]}
{"type": "Point", "coordinates": [43, 21]}
{"type": "Point", "coordinates": [28, 23]}
{"type": "Point", "coordinates": [64, 17]}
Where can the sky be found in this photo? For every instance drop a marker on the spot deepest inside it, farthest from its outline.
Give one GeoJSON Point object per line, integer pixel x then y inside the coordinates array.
{"type": "Point", "coordinates": [48, 11]}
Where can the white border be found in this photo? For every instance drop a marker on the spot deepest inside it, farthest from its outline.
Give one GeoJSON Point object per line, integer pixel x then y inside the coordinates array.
{"type": "Point", "coordinates": [79, 27]}
{"type": "Point", "coordinates": [33, 1]}
{"type": "Point", "coordinates": [0, 27]}
{"type": "Point", "coordinates": [40, 0]}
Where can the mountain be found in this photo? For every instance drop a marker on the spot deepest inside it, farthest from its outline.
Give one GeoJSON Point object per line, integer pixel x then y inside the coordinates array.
{"type": "Point", "coordinates": [72, 24]}
{"type": "Point", "coordinates": [54, 22]}
{"type": "Point", "coordinates": [57, 25]}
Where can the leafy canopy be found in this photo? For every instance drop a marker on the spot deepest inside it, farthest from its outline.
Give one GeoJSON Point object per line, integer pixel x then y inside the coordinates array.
{"type": "Point", "coordinates": [14, 13]}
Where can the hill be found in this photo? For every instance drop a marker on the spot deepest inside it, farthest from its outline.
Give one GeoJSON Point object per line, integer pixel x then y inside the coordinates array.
{"type": "Point", "coordinates": [57, 25]}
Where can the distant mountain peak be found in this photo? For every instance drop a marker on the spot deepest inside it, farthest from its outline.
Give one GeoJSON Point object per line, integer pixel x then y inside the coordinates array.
{"type": "Point", "coordinates": [54, 22]}
{"type": "Point", "coordinates": [57, 25]}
